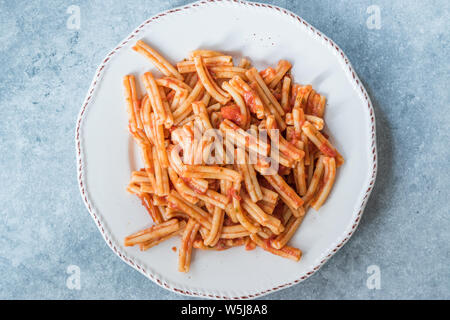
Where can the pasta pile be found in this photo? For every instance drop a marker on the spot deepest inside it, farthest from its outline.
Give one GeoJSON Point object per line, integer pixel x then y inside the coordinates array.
{"type": "Point", "coordinates": [202, 106]}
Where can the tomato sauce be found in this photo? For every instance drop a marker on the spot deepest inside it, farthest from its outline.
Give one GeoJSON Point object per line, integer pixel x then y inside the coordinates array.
{"type": "Point", "coordinates": [267, 73]}
{"type": "Point", "coordinates": [325, 149]}
{"type": "Point", "coordinates": [277, 95]}
{"type": "Point", "coordinates": [173, 206]}
{"type": "Point", "coordinates": [282, 171]}
{"type": "Point", "coordinates": [231, 193]}
{"type": "Point", "coordinates": [191, 185]}
{"type": "Point", "coordinates": [232, 113]}
{"type": "Point", "coordinates": [278, 211]}
{"type": "Point", "coordinates": [250, 100]}
{"type": "Point", "coordinates": [221, 245]}
{"type": "Point", "coordinates": [250, 245]}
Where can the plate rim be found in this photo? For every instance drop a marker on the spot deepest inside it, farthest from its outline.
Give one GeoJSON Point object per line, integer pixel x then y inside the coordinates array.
{"type": "Point", "coordinates": [155, 277]}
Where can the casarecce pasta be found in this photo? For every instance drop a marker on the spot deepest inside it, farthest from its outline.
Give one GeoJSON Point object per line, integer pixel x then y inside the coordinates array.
{"type": "Point", "coordinates": [232, 156]}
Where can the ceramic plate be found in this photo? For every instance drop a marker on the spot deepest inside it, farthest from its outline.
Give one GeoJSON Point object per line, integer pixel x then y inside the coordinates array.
{"type": "Point", "coordinates": [106, 153]}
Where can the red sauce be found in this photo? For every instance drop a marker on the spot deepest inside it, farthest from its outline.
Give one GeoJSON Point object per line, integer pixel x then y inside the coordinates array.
{"type": "Point", "coordinates": [277, 95]}
{"type": "Point", "coordinates": [231, 193]}
{"type": "Point", "coordinates": [321, 185]}
{"type": "Point", "coordinates": [293, 148]}
{"type": "Point", "coordinates": [311, 147]}
{"type": "Point", "coordinates": [232, 113]}
{"type": "Point", "coordinates": [265, 184]}
{"type": "Point", "coordinates": [267, 243]}
{"type": "Point", "coordinates": [268, 72]}
{"type": "Point", "coordinates": [310, 103]}
{"type": "Point", "coordinates": [295, 139]}
{"type": "Point", "coordinates": [221, 245]}
{"type": "Point", "coordinates": [186, 180]}
{"type": "Point", "coordinates": [174, 249]}
{"type": "Point", "coordinates": [171, 81]}
{"type": "Point", "coordinates": [282, 171]}
{"type": "Point", "coordinates": [249, 98]}
{"type": "Point", "coordinates": [278, 211]}
{"type": "Point", "coordinates": [325, 149]}
{"type": "Point", "coordinates": [250, 245]}
{"type": "Point", "coordinates": [213, 74]}
{"type": "Point", "coordinates": [227, 221]}
{"type": "Point", "coordinates": [301, 123]}
{"type": "Point", "coordinates": [191, 185]}
{"type": "Point", "coordinates": [173, 206]}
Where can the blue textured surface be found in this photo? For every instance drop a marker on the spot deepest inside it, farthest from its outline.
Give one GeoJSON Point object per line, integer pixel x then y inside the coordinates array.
{"type": "Point", "coordinates": [47, 69]}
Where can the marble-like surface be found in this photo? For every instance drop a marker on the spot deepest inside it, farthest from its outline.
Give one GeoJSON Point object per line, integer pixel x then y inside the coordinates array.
{"type": "Point", "coordinates": [46, 71]}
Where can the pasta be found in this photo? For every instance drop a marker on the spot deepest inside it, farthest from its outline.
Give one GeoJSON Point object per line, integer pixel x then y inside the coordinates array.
{"type": "Point", "coordinates": [231, 156]}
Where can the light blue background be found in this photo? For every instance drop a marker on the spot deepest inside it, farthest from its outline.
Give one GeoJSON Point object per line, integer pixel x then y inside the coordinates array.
{"type": "Point", "coordinates": [46, 70]}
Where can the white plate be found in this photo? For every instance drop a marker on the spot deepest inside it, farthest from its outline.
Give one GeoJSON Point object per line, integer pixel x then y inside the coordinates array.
{"type": "Point", "coordinates": [106, 154]}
